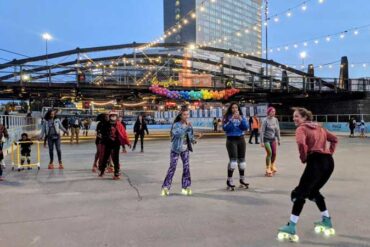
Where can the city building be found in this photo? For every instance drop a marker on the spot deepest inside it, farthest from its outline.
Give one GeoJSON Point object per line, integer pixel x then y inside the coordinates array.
{"type": "Point", "coordinates": [226, 24]}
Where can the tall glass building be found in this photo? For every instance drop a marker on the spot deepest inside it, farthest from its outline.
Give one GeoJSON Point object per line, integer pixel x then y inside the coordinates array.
{"type": "Point", "coordinates": [227, 24]}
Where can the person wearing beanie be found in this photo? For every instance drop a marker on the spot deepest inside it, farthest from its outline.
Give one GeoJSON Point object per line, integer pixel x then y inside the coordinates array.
{"type": "Point", "coordinates": [270, 138]}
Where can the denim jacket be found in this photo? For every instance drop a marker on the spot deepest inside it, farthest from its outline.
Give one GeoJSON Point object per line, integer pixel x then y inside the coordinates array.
{"type": "Point", "coordinates": [45, 127]}
{"type": "Point", "coordinates": [178, 135]}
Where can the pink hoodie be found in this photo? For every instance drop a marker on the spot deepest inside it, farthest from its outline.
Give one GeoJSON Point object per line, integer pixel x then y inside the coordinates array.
{"type": "Point", "coordinates": [312, 138]}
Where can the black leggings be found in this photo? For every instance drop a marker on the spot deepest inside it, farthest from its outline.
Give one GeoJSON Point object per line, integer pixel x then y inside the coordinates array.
{"type": "Point", "coordinates": [318, 171]}
{"type": "Point", "coordinates": [110, 149]}
{"type": "Point", "coordinates": [1, 158]}
{"type": "Point", "coordinates": [141, 140]}
{"type": "Point", "coordinates": [236, 149]}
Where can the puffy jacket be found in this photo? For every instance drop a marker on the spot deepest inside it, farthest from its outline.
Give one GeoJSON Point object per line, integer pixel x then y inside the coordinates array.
{"type": "Point", "coordinates": [121, 131]}
{"type": "Point", "coordinates": [312, 138]}
{"type": "Point", "coordinates": [235, 127]}
{"type": "Point", "coordinates": [178, 134]}
{"type": "Point", "coordinates": [45, 127]}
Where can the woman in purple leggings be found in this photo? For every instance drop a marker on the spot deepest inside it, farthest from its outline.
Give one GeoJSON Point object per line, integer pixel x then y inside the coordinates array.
{"type": "Point", "coordinates": [182, 138]}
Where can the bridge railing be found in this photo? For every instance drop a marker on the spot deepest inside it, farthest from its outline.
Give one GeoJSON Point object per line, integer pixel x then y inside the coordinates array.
{"type": "Point", "coordinates": [200, 80]}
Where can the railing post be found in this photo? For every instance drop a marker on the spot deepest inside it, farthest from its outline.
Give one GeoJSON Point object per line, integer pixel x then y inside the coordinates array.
{"type": "Point", "coordinates": [287, 85]}
{"type": "Point", "coordinates": [326, 118]}
{"type": "Point", "coordinates": [304, 84]}
{"type": "Point", "coordinates": [270, 86]}
{"type": "Point", "coordinates": [320, 85]}
{"type": "Point", "coordinates": [252, 78]}
{"type": "Point", "coordinates": [335, 85]}
{"type": "Point", "coordinates": [337, 118]}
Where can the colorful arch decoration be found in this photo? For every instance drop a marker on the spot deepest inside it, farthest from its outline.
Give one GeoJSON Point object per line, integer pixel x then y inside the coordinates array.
{"type": "Point", "coordinates": [203, 94]}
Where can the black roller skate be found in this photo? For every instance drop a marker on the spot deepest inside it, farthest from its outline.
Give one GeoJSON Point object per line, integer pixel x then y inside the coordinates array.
{"type": "Point", "coordinates": [243, 184]}
{"type": "Point", "coordinates": [230, 185]}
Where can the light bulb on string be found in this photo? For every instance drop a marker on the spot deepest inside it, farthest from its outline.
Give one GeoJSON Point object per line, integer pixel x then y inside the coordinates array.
{"type": "Point", "coordinates": [304, 7]}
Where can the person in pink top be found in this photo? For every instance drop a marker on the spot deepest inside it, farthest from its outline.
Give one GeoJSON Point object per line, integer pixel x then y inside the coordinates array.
{"type": "Point", "coordinates": [315, 152]}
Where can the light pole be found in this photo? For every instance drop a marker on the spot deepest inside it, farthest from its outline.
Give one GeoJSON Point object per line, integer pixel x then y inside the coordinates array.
{"type": "Point", "coordinates": [303, 55]}
{"type": "Point", "coordinates": [266, 30]}
{"type": "Point", "coordinates": [47, 37]}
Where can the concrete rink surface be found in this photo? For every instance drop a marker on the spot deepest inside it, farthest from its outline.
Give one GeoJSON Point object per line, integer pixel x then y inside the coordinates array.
{"type": "Point", "coordinates": [73, 207]}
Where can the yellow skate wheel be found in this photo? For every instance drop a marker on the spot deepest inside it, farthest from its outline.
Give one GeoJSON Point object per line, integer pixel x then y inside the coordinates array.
{"type": "Point", "coordinates": [294, 238]}
{"type": "Point", "coordinates": [281, 236]}
{"type": "Point", "coordinates": [319, 229]}
{"type": "Point", "coordinates": [329, 232]}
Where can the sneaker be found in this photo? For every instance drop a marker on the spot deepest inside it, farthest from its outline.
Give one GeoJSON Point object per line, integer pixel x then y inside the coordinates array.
{"type": "Point", "coordinates": [116, 177]}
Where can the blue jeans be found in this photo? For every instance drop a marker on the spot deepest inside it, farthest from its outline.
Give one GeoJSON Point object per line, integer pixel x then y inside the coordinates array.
{"type": "Point", "coordinates": [51, 142]}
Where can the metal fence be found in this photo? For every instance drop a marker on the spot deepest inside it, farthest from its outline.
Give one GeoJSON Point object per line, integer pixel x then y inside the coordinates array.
{"type": "Point", "coordinates": [11, 122]}
{"type": "Point", "coordinates": [330, 118]}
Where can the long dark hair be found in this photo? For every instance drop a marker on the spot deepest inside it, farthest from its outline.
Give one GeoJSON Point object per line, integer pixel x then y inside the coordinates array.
{"type": "Point", "coordinates": [47, 116]}
{"type": "Point", "coordinates": [229, 111]}
{"type": "Point", "coordinates": [138, 116]}
{"type": "Point", "coordinates": [178, 118]}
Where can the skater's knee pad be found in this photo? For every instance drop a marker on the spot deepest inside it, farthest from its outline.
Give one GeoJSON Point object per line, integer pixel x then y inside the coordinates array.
{"type": "Point", "coordinates": [242, 165]}
{"type": "Point", "coordinates": [233, 164]}
{"type": "Point", "coordinates": [297, 197]}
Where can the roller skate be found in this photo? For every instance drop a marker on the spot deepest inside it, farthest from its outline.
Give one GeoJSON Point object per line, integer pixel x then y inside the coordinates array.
{"type": "Point", "coordinates": [3, 164]}
{"type": "Point", "coordinates": [61, 167]}
{"type": "Point", "coordinates": [110, 169]}
{"type": "Point", "coordinates": [268, 172]}
{"type": "Point", "coordinates": [273, 169]}
{"type": "Point", "coordinates": [324, 226]}
{"type": "Point", "coordinates": [186, 192]}
{"type": "Point", "coordinates": [94, 168]}
{"type": "Point", "coordinates": [243, 184]}
{"type": "Point", "coordinates": [116, 177]}
{"type": "Point", "coordinates": [230, 185]}
{"type": "Point", "coordinates": [165, 192]}
{"type": "Point", "coordinates": [288, 232]}
{"type": "Point", "coordinates": [51, 166]}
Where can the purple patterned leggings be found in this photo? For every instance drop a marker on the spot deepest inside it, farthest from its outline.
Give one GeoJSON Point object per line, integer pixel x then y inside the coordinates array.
{"type": "Point", "coordinates": [186, 180]}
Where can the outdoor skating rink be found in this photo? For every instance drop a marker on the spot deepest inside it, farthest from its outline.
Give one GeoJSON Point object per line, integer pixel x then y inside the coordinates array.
{"type": "Point", "coordinates": [74, 208]}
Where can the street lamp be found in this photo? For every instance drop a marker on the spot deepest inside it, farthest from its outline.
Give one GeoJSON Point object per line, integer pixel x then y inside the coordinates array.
{"type": "Point", "coordinates": [47, 37]}
{"type": "Point", "coordinates": [303, 55]}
